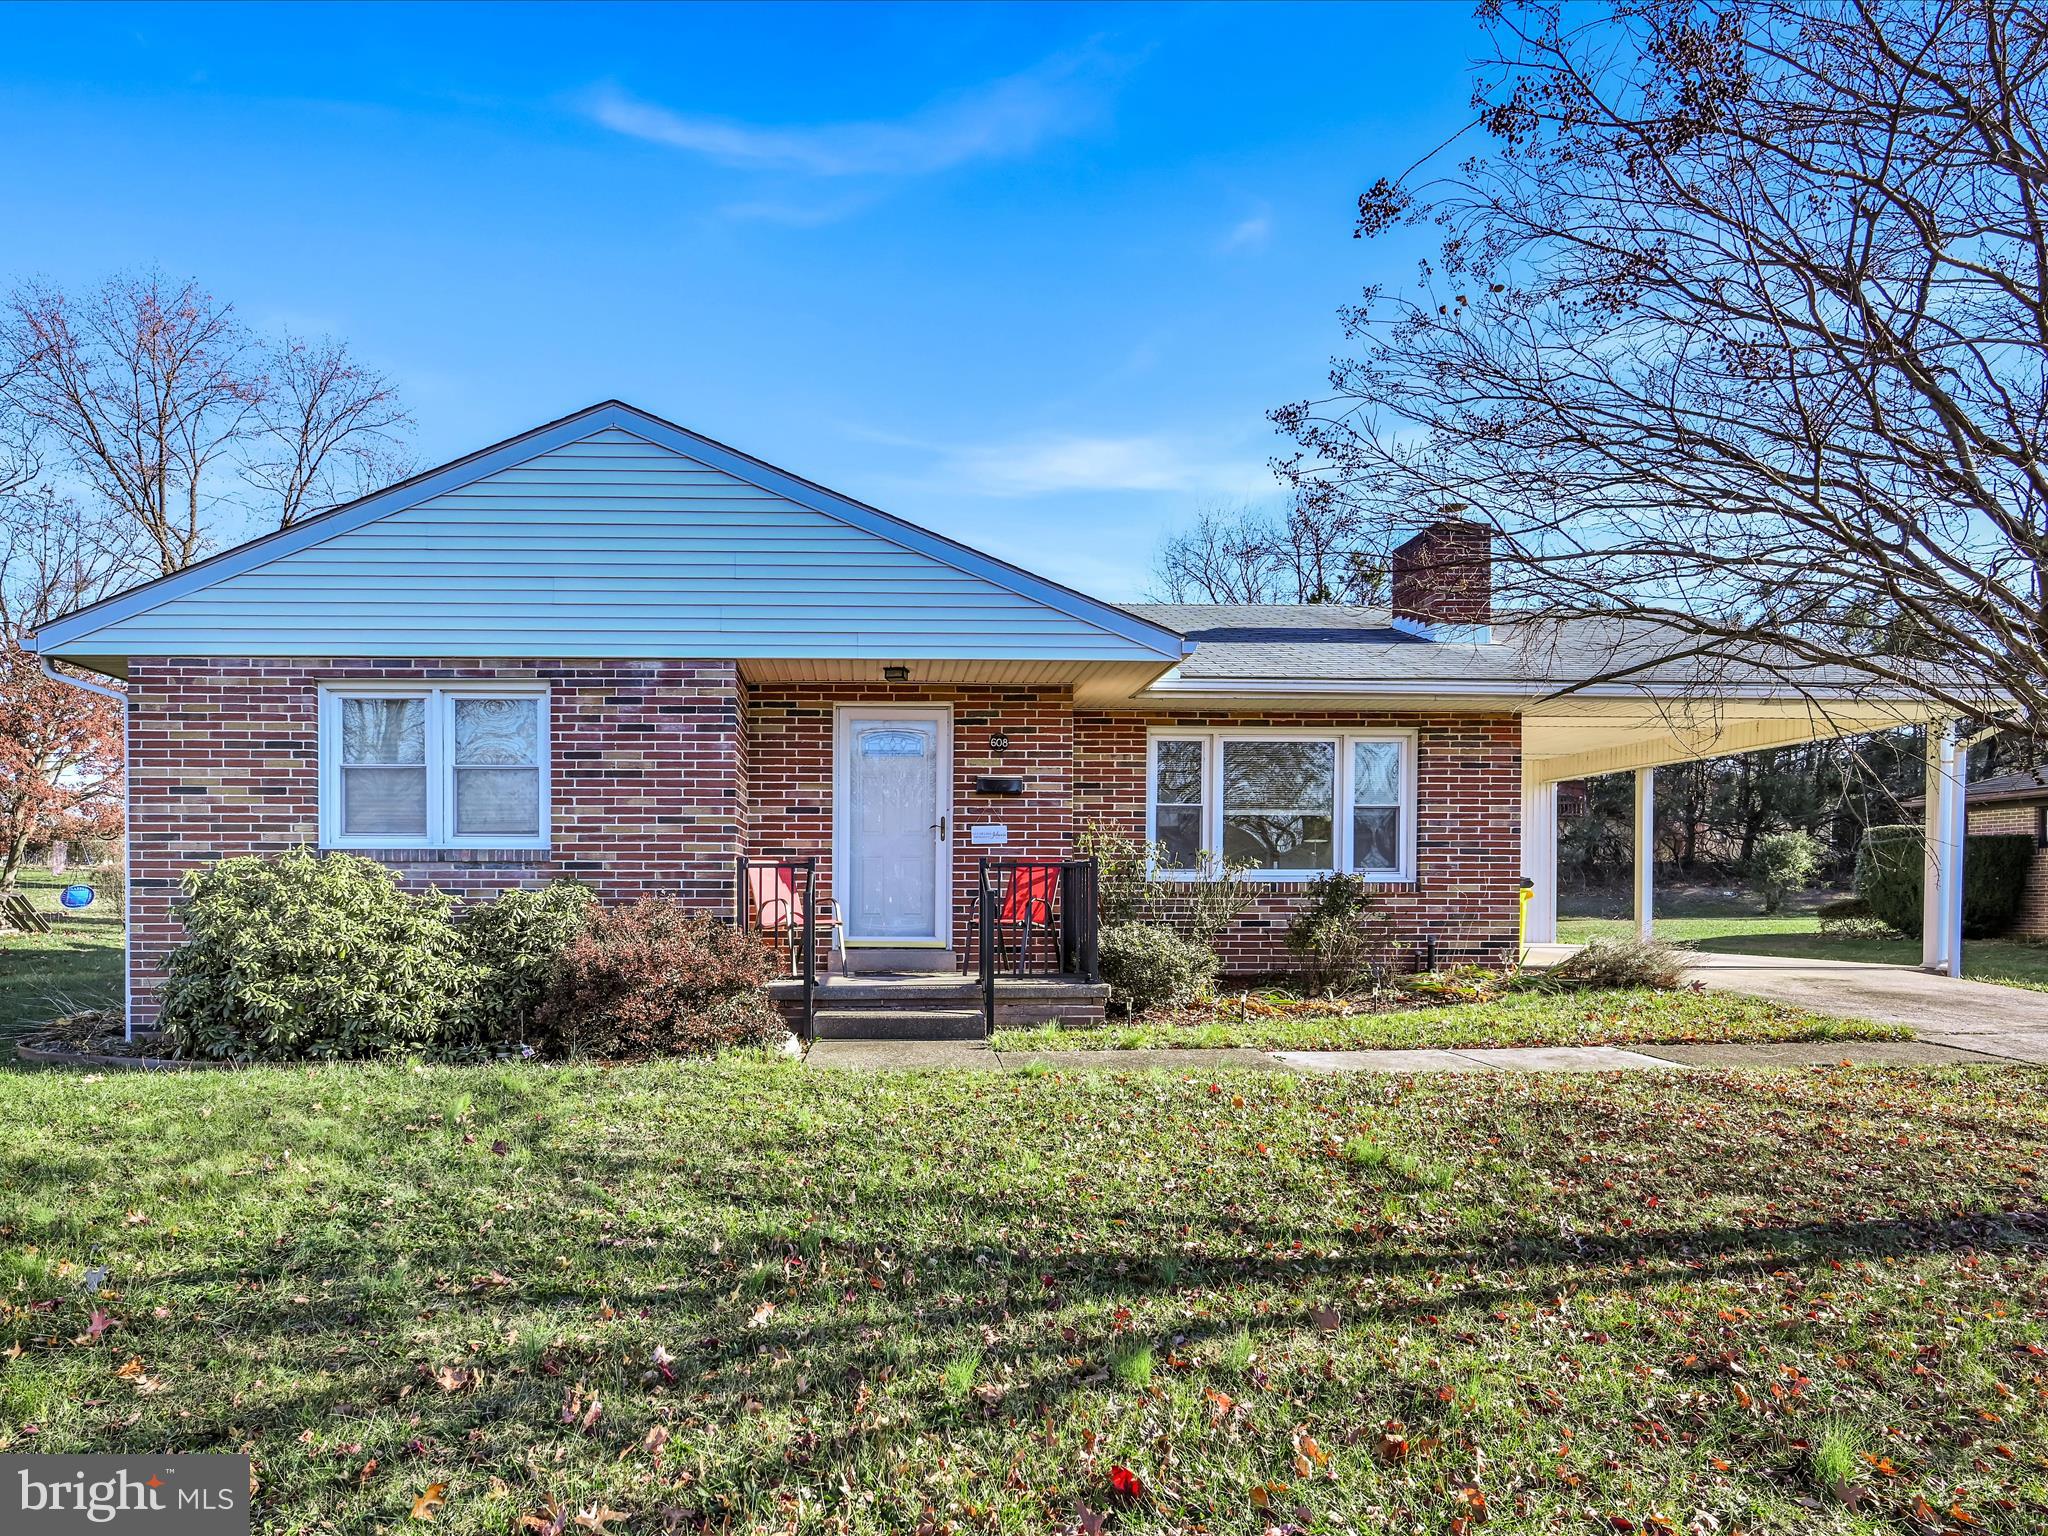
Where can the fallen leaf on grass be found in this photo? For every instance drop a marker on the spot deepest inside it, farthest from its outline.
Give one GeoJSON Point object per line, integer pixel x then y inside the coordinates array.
{"type": "Point", "coordinates": [595, 1517]}
{"type": "Point", "coordinates": [1126, 1482]}
{"type": "Point", "coordinates": [429, 1503]}
{"type": "Point", "coordinates": [1266, 1495]}
{"type": "Point", "coordinates": [1307, 1454]}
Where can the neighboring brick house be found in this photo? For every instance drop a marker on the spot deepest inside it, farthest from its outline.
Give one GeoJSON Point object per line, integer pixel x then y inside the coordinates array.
{"type": "Point", "coordinates": [615, 650]}
{"type": "Point", "coordinates": [2018, 803]}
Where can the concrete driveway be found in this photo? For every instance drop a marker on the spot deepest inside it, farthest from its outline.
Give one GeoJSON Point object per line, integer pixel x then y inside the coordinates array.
{"type": "Point", "coordinates": [2007, 1022]}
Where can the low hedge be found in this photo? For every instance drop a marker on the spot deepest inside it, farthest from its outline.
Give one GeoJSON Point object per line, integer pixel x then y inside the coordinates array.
{"type": "Point", "coordinates": [311, 956]}
{"type": "Point", "coordinates": [1148, 966]}
{"type": "Point", "coordinates": [654, 979]}
{"type": "Point", "coordinates": [1890, 864]}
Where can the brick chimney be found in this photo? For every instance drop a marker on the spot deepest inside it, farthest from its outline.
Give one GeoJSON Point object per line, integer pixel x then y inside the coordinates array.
{"type": "Point", "coordinates": [1443, 581]}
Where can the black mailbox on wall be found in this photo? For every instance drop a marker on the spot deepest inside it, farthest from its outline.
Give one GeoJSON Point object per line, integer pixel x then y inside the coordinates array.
{"type": "Point", "coordinates": [998, 784]}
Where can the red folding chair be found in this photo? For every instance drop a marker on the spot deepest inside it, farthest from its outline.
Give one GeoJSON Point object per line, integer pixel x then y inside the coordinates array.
{"type": "Point", "coordinates": [777, 894]}
{"type": "Point", "coordinates": [1026, 909]}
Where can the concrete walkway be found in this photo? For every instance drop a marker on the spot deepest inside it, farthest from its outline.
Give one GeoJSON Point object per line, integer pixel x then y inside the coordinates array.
{"type": "Point", "coordinates": [2007, 1022]}
{"type": "Point", "coordinates": [1955, 1023]}
{"type": "Point", "coordinates": [976, 1055]}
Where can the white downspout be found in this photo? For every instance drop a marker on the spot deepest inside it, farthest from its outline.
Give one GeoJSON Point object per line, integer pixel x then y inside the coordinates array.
{"type": "Point", "coordinates": [127, 838]}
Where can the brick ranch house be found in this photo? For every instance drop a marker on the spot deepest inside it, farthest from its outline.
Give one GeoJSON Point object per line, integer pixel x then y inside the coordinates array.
{"type": "Point", "coordinates": [612, 649]}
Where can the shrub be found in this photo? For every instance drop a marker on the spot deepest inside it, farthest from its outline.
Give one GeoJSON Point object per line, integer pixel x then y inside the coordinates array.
{"type": "Point", "coordinates": [1782, 863]}
{"type": "Point", "coordinates": [1850, 917]}
{"type": "Point", "coordinates": [513, 943]}
{"type": "Point", "coordinates": [651, 979]}
{"type": "Point", "coordinates": [1129, 891]}
{"type": "Point", "coordinates": [1209, 904]}
{"type": "Point", "coordinates": [1149, 966]}
{"type": "Point", "coordinates": [111, 882]}
{"type": "Point", "coordinates": [1889, 866]}
{"type": "Point", "coordinates": [310, 955]}
{"type": "Point", "coordinates": [1339, 947]}
{"type": "Point", "coordinates": [1619, 963]}
{"type": "Point", "coordinates": [1125, 888]}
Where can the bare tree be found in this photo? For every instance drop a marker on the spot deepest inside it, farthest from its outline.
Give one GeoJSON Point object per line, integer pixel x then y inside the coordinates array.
{"type": "Point", "coordinates": [164, 406]}
{"type": "Point", "coordinates": [1316, 553]}
{"type": "Point", "coordinates": [331, 429]}
{"type": "Point", "coordinates": [143, 386]}
{"type": "Point", "coordinates": [1739, 325]}
{"type": "Point", "coordinates": [56, 554]}
{"type": "Point", "coordinates": [1225, 556]}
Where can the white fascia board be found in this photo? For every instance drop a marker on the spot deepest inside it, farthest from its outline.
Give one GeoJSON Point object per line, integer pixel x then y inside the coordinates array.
{"type": "Point", "coordinates": [1152, 639]}
{"type": "Point", "coordinates": [1523, 688]}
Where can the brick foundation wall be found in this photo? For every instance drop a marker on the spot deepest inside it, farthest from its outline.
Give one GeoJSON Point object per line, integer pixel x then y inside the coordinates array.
{"type": "Point", "coordinates": [2006, 820]}
{"type": "Point", "coordinates": [1468, 828]}
{"type": "Point", "coordinates": [648, 779]}
{"type": "Point", "coordinates": [790, 772]}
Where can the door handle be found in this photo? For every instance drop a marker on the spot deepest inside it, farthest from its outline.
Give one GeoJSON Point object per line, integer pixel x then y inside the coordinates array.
{"type": "Point", "coordinates": [939, 827]}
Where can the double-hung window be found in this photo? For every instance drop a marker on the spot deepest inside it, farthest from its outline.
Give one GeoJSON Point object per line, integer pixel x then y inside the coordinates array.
{"type": "Point", "coordinates": [1286, 804]}
{"type": "Point", "coordinates": [434, 767]}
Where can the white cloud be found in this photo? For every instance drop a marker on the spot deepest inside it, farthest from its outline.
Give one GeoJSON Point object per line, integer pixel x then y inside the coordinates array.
{"type": "Point", "coordinates": [1059, 462]}
{"type": "Point", "coordinates": [1251, 233]}
{"type": "Point", "coordinates": [1004, 118]}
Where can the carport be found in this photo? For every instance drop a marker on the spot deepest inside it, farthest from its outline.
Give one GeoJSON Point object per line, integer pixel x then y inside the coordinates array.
{"type": "Point", "coordinates": [1624, 727]}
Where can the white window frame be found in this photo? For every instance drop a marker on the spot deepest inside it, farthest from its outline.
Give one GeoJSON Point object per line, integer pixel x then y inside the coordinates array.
{"type": "Point", "coordinates": [1212, 740]}
{"type": "Point", "coordinates": [440, 764]}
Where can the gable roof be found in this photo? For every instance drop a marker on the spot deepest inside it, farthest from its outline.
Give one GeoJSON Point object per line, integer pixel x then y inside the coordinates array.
{"type": "Point", "coordinates": [608, 532]}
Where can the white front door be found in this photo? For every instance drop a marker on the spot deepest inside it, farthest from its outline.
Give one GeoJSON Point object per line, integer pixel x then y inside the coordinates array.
{"type": "Point", "coordinates": [894, 814]}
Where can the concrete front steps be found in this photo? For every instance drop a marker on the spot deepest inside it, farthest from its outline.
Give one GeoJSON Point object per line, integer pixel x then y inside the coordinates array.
{"type": "Point", "coordinates": [928, 1005]}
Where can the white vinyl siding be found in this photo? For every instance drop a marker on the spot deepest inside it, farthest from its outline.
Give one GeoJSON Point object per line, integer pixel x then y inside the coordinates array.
{"type": "Point", "coordinates": [415, 766]}
{"type": "Point", "coordinates": [610, 545]}
{"type": "Point", "coordinates": [1292, 804]}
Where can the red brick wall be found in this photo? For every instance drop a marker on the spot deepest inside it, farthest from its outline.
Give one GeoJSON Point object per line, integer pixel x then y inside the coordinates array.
{"type": "Point", "coordinates": [790, 769]}
{"type": "Point", "coordinates": [648, 780]}
{"type": "Point", "coordinates": [1468, 828]}
{"type": "Point", "coordinates": [2006, 819]}
{"type": "Point", "coordinates": [663, 770]}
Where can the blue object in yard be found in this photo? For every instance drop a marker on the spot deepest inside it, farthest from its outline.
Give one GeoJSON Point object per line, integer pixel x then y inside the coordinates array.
{"type": "Point", "coordinates": [75, 898]}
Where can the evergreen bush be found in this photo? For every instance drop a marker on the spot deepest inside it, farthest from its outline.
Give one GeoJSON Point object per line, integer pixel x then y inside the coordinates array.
{"type": "Point", "coordinates": [1148, 966]}
{"type": "Point", "coordinates": [1889, 866]}
{"type": "Point", "coordinates": [307, 955]}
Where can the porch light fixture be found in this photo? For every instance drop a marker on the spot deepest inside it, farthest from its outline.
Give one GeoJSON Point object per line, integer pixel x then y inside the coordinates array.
{"type": "Point", "coordinates": [895, 674]}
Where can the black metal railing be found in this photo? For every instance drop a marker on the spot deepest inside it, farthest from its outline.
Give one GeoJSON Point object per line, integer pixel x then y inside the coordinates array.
{"type": "Point", "coordinates": [779, 897]}
{"type": "Point", "coordinates": [1034, 917]}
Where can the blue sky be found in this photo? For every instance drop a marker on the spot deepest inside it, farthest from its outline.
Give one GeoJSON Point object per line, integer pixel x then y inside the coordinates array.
{"type": "Point", "coordinates": [1028, 275]}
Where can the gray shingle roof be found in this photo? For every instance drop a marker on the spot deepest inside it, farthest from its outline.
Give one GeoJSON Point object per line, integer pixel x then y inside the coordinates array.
{"type": "Point", "coordinates": [1330, 642]}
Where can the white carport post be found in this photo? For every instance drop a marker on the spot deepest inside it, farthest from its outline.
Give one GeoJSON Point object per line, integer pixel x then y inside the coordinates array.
{"type": "Point", "coordinates": [1941, 887]}
{"type": "Point", "coordinates": [1539, 858]}
{"type": "Point", "coordinates": [1646, 853]}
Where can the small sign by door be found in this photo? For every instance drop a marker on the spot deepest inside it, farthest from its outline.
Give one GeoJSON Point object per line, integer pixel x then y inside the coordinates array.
{"type": "Point", "coordinates": [988, 835]}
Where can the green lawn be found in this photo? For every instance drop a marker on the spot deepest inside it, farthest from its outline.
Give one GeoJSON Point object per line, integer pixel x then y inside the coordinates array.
{"type": "Point", "coordinates": [77, 965]}
{"type": "Point", "coordinates": [752, 1297]}
{"type": "Point", "coordinates": [1524, 1016]}
{"type": "Point", "coordinates": [2009, 962]}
